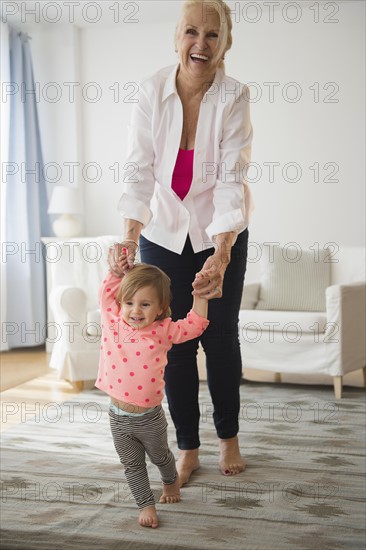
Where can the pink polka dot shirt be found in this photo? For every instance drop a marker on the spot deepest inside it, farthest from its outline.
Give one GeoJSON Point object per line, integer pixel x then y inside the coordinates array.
{"type": "Point", "coordinates": [132, 361]}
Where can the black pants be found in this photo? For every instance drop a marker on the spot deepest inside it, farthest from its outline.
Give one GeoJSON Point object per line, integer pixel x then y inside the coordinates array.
{"type": "Point", "coordinates": [220, 341]}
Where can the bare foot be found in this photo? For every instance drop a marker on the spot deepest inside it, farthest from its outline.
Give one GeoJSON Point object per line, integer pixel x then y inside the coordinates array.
{"type": "Point", "coordinates": [187, 463]}
{"type": "Point", "coordinates": [148, 517]}
{"type": "Point", "coordinates": [171, 493]}
{"type": "Point", "coordinates": [231, 462]}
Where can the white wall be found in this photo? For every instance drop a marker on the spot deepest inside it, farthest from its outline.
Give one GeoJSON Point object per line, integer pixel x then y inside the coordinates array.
{"type": "Point", "coordinates": [308, 132]}
{"type": "Point", "coordinates": [122, 56]}
{"type": "Point", "coordinates": [305, 132]}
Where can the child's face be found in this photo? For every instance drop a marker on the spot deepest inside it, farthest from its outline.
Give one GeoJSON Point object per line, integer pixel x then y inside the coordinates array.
{"type": "Point", "coordinates": [142, 309]}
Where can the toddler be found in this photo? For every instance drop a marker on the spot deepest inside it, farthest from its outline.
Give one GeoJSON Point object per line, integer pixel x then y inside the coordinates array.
{"type": "Point", "coordinates": [137, 333]}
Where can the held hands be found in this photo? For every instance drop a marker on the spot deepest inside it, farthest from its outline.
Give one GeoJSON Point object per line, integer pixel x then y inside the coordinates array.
{"type": "Point", "coordinates": [121, 257]}
{"type": "Point", "coordinates": [208, 282]}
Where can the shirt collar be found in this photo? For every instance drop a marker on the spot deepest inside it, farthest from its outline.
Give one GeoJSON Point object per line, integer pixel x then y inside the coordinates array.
{"type": "Point", "coordinates": [170, 86]}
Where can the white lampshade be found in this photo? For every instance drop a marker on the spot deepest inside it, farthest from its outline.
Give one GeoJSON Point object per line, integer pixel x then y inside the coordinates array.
{"type": "Point", "coordinates": [67, 202]}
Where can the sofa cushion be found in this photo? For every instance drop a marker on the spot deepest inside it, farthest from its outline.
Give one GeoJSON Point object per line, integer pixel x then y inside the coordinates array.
{"type": "Point", "coordinates": [293, 279]}
{"type": "Point", "coordinates": [279, 321]}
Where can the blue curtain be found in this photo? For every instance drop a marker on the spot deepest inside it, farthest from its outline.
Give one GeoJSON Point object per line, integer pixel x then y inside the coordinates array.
{"type": "Point", "coordinates": [26, 207]}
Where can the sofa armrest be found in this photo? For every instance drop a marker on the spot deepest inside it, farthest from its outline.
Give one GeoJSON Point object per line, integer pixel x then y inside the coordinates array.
{"type": "Point", "coordinates": [346, 296]}
{"type": "Point", "coordinates": [68, 303]}
{"type": "Point", "coordinates": [346, 323]}
{"type": "Point", "coordinates": [250, 296]}
{"type": "Point", "coordinates": [75, 352]}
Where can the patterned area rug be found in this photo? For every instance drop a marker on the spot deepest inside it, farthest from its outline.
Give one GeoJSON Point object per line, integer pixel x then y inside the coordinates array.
{"type": "Point", "coordinates": [304, 487]}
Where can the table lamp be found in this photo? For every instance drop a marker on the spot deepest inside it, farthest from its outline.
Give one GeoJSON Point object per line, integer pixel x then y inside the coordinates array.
{"type": "Point", "coordinates": [67, 202]}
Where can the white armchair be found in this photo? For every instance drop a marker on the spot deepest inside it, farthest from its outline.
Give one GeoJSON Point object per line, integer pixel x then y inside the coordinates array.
{"type": "Point", "coordinates": [73, 301]}
{"type": "Point", "coordinates": [328, 342]}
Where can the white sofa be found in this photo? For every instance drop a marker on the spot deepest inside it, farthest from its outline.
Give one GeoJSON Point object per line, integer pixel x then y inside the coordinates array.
{"type": "Point", "coordinates": [73, 302]}
{"type": "Point", "coordinates": [330, 342]}
{"type": "Point", "coordinates": [269, 339]}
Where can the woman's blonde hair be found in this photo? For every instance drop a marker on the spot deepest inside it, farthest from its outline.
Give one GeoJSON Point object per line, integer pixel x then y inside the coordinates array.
{"type": "Point", "coordinates": [143, 275]}
{"type": "Point", "coordinates": [226, 25]}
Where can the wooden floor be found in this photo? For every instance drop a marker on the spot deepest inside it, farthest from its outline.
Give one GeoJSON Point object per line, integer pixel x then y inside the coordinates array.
{"type": "Point", "coordinates": [27, 384]}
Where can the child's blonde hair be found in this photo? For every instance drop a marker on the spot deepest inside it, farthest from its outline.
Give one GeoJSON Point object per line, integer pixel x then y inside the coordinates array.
{"type": "Point", "coordinates": [143, 275]}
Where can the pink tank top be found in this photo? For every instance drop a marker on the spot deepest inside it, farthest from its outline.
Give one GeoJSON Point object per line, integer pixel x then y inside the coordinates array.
{"type": "Point", "coordinates": [183, 172]}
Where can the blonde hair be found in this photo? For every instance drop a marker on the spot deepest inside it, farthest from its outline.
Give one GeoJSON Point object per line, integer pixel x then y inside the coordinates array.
{"type": "Point", "coordinates": [226, 25]}
{"type": "Point", "coordinates": [143, 275]}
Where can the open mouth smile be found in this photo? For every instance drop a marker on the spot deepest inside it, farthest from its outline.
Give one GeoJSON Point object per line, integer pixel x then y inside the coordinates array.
{"type": "Point", "coordinates": [199, 58]}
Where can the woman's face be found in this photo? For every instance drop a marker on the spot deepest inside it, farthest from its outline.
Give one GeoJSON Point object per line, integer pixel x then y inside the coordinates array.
{"type": "Point", "coordinates": [197, 41]}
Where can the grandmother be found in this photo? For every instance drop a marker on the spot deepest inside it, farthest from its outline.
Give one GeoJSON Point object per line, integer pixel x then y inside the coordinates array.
{"type": "Point", "coordinates": [186, 203]}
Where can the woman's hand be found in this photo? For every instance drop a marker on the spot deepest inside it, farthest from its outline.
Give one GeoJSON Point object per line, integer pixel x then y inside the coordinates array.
{"type": "Point", "coordinates": [208, 282]}
{"type": "Point", "coordinates": [121, 257]}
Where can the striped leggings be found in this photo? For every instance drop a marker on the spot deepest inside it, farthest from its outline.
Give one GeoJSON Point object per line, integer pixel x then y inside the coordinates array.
{"type": "Point", "coordinates": [133, 437]}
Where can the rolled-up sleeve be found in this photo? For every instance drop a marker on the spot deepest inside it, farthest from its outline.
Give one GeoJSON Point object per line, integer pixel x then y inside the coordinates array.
{"type": "Point", "coordinates": [138, 169]}
{"type": "Point", "coordinates": [235, 153]}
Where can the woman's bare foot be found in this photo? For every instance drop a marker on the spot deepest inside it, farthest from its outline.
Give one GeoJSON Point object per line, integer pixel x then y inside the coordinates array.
{"type": "Point", "coordinates": [148, 517]}
{"type": "Point", "coordinates": [171, 493]}
{"type": "Point", "coordinates": [187, 463]}
{"type": "Point", "coordinates": [231, 462]}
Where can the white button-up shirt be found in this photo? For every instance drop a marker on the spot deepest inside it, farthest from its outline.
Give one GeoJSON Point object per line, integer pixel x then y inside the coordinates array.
{"type": "Point", "coordinates": [219, 199]}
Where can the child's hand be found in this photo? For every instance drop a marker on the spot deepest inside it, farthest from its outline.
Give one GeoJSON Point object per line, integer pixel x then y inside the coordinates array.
{"type": "Point", "coordinates": [200, 303]}
{"type": "Point", "coordinates": [208, 282]}
{"type": "Point", "coordinates": [203, 285]}
{"type": "Point", "coordinates": [121, 258]}
{"type": "Point", "coordinates": [127, 258]}
{"type": "Point", "coordinates": [199, 279]}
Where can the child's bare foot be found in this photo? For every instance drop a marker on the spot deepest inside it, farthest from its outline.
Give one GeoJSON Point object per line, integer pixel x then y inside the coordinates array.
{"type": "Point", "coordinates": [231, 462]}
{"type": "Point", "coordinates": [187, 463]}
{"type": "Point", "coordinates": [171, 493]}
{"type": "Point", "coordinates": [148, 517]}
